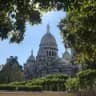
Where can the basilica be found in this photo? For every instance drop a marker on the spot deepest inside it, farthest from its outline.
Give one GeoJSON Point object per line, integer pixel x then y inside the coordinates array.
{"type": "Point", "coordinates": [47, 60]}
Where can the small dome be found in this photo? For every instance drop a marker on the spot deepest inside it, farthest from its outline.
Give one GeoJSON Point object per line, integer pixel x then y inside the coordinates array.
{"type": "Point", "coordinates": [31, 57]}
{"type": "Point", "coordinates": [67, 56]}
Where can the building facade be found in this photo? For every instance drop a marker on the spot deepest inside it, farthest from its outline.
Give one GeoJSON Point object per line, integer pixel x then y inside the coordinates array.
{"type": "Point", "coordinates": [47, 60]}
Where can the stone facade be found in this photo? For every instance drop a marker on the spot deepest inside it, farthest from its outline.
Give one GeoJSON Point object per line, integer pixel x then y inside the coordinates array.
{"type": "Point", "coordinates": [47, 60]}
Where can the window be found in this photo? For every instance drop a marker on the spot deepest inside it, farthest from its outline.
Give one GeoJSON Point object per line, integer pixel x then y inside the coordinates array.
{"type": "Point", "coordinates": [49, 53]}
{"type": "Point", "coordinates": [52, 53]}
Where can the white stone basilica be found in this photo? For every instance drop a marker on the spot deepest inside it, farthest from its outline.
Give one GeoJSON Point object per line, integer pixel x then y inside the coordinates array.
{"type": "Point", "coordinates": [47, 60]}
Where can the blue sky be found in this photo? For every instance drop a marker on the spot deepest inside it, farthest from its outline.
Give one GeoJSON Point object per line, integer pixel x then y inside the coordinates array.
{"type": "Point", "coordinates": [32, 39]}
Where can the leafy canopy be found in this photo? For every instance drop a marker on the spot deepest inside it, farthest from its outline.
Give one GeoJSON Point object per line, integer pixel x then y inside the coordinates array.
{"type": "Point", "coordinates": [13, 16]}
{"type": "Point", "coordinates": [79, 29]}
{"type": "Point", "coordinates": [15, 13]}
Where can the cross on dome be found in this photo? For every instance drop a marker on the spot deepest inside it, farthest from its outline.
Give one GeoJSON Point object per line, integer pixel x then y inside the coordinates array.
{"type": "Point", "coordinates": [48, 28]}
{"type": "Point", "coordinates": [32, 52]}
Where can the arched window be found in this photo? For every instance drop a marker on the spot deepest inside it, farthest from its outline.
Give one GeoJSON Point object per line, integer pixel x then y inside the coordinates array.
{"type": "Point", "coordinates": [52, 53]}
{"type": "Point", "coordinates": [49, 53]}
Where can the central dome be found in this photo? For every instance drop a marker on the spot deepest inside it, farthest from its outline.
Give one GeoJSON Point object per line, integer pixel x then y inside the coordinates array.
{"type": "Point", "coordinates": [48, 40]}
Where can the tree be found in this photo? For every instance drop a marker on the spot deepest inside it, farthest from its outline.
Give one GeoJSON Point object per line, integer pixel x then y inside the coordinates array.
{"type": "Point", "coordinates": [87, 79]}
{"type": "Point", "coordinates": [79, 29]}
{"type": "Point", "coordinates": [13, 16]}
{"type": "Point", "coordinates": [11, 71]}
{"type": "Point", "coordinates": [15, 13]}
{"type": "Point", "coordinates": [84, 84]}
{"type": "Point", "coordinates": [72, 84]}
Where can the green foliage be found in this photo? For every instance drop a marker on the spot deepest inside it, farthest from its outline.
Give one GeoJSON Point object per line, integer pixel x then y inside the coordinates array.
{"type": "Point", "coordinates": [78, 30]}
{"type": "Point", "coordinates": [35, 82]}
{"type": "Point", "coordinates": [72, 84]}
{"type": "Point", "coordinates": [85, 80]}
{"type": "Point", "coordinates": [60, 76]}
{"type": "Point", "coordinates": [13, 17]}
{"type": "Point", "coordinates": [29, 88]}
{"type": "Point", "coordinates": [51, 82]}
{"type": "Point", "coordinates": [57, 4]}
{"type": "Point", "coordinates": [7, 87]}
{"type": "Point", "coordinates": [20, 88]}
{"type": "Point", "coordinates": [18, 83]}
{"type": "Point", "coordinates": [15, 14]}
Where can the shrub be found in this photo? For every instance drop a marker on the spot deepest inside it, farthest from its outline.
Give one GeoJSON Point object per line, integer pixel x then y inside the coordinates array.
{"type": "Point", "coordinates": [72, 84]}
{"type": "Point", "coordinates": [20, 88]}
{"type": "Point", "coordinates": [29, 88]}
{"type": "Point", "coordinates": [87, 79]}
{"type": "Point", "coordinates": [53, 82]}
{"type": "Point", "coordinates": [7, 87]}
{"type": "Point", "coordinates": [59, 76]}
{"type": "Point", "coordinates": [18, 83]}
